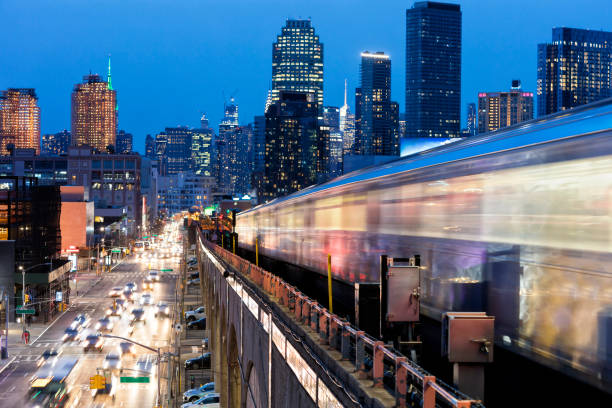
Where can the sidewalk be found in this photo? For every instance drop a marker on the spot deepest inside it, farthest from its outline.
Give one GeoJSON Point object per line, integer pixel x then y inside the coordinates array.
{"type": "Point", "coordinates": [85, 282]}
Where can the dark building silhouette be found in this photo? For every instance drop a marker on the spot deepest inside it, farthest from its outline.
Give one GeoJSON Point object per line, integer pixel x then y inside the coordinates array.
{"type": "Point", "coordinates": [55, 143]}
{"type": "Point", "coordinates": [124, 143]}
{"type": "Point", "coordinates": [376, 119]}
{"type": "Point", "coordinates": [433, 70]}
{"type": "Point", "coordinates": [575, 69]}
{"type": "Point", "coordinates": [173, 150]}
{"type": "Point", "coordinates": [150, 147]}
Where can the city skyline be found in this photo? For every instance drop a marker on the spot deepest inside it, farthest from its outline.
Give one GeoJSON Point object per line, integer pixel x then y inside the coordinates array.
{"type": "Point", "coordinates": [151, 58]}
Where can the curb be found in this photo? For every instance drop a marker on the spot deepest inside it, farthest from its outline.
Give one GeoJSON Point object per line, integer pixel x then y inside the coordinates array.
{"type": "Point", "coordinates": [8, 364]}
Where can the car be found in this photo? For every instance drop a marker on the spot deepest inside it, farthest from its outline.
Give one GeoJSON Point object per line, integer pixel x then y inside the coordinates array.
{"type": "Point", "coordinates": [71, 333]}
{"type": "Point", "coordinates": [191, 315]}
{"type": "Point", "coordinates": [146, 299]}
{"type": "Point", "coordinates": [199, 324]}
{"type": "Point", "coordinates": [210, 400]}
{"type": "Point", "coordinates": [104, 324]}
{"type": "Point", "coordinates": [154, 275]}
{"type": "Point", "coordinates": [114, 310]}
{"type": "Point", "coordinates": [195, 281]}
{"type": "Point", "coordinates": [195, 394]}
{"type": "Point", "coordinates": [147, 283]}
{"type": "Point", "coordinates": [112, 361]}
{"type": "Point", "coordinates": [193, 259]}
{"type": "Point", "coordinates": [93, 342]}
{"type": "Point", "coordinates": [46, 355]}
{"type": "Point", "coordinates": [115, 292]}
{"type": "Point", "coordinates": [125, 347]}
{"type": "Point", "coordinates": [81, 321]}
{"type": "Point", "coordinates": [128, 295]}
{"type": "Point", "coordinates": [138, 314]}
{"type": "Point", "coordinates": [202, 361]}
{"type": "Point", "coordinates": [131, 286]}
{"type": "Point", "coordinates": [162, 310]}
{"type": "Point", "coordinates": [192, 268]}
{"type": "Point", "coordinates": [194, 275]}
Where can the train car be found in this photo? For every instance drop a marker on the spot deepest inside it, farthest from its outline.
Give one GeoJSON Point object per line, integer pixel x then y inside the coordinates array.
{"type": "Point", "coordinates": [516, 223]}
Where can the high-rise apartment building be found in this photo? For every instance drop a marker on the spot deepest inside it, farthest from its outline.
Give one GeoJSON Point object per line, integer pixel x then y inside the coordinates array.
{"type": "Point", "coordinates": [433, 70]}
{"type": "Point", "coordinates": [94, 115]}
{"type": "Point", "coordinates": [376, 130]}
{"type": "Point", "coordinates": [497, 110]}
{"type": "Point", "coordinates": [472, 119]}
{"type": "Point", "coordinates": [55, 143]}
{"type": "Point", "coordinates": [297, 61]}
{"type": "Point", "coordinates": [575, 69]}
{"type": "Point", "coordinates": [124, 142]}
{"type": "Point", "coordinates": [202, 151]}
{"type": "Point", "coordinates": [293, 141]}
{"type": "Point", "coordinates": [331, 118]}
{"type": "Point", "coordinates": [19, 119]}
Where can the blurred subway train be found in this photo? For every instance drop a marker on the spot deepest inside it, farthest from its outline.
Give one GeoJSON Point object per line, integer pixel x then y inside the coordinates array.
{"type": "Point", "coordinates": [517, 223]}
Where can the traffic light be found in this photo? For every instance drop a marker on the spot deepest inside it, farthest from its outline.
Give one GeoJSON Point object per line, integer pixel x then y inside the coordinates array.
{"type": "Point", "coordinates": [97, 382]}
{"type": "Point", "coordinates": [27, 298]}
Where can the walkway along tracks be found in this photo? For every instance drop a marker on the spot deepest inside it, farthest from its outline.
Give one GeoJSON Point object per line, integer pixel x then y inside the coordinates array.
{"type": "Point", "coordinates": [366, 367]}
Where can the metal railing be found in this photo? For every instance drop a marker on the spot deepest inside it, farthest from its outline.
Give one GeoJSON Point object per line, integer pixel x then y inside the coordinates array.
{"type": "Point", "coordinates": [387, 368]}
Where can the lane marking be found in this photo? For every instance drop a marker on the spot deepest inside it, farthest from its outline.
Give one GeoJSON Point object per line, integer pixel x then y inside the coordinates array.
{"type": "Point", "coordinates": [8, 364]}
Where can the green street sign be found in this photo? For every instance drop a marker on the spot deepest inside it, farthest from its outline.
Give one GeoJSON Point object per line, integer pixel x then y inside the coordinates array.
{"type": "Point", "coordinates": [25, 311]}
{"type": "Point", "coordinates": [116, 251]}
{"type": "Point", "coordinates": [166, 270]}
{"type": "Point", "coordinates": [134, 379]}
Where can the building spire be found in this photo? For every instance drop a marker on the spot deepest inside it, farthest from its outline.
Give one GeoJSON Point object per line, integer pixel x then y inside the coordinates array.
{"type": "Point", "coordinates": [110, 83]}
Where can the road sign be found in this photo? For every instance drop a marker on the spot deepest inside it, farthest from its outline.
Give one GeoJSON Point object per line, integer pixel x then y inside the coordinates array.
{"type": "Point", "coordinates": [166, 270]}
{"type": "Point", "coordinates": [134, 379]}
{"type": "Point", "coordinates": [97, 382]}
{"type": "Point", "coordinates": [116, 251]}
{"type": "Point", "coordinates": [25, 311]}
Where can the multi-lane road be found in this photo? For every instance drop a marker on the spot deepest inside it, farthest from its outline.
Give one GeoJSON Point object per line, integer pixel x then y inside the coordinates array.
{"type": "Point", "coordinates": [155, 332]}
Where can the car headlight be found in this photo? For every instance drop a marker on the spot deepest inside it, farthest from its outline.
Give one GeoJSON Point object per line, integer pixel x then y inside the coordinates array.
{"type": "Point", "coordinates": [97, 326]}
{"type": "Point", "coordinates": [99, 343]}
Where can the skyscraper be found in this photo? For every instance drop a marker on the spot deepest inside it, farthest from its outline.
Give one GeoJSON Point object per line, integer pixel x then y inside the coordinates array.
{"type": "Point", "coordinates": [292, 145]}
{"type": "Point", "coordinates": [19, 119]}
{"type": "Point", "coordinates": [150, 147]}
{"type": "Point", "coordinates": [376, 130]}
{"type": "Point", "coordinates": [472, 119]}
{"type": "Point", "coordinates": [576, 68]}
{"type": "Point", "coordinates": [347, 125]}
{"type": "Point", "coordinates": [173, 148]}
{"type": "Point", "coordinates": [55, 143]}
{"type": "Point", "coordinates": [94, 118]}
{"type": "Point", "coordinates": [202, 150]}
{"type": "Point", "coordinates": [259, 152]}
{"type": "Point", "coordinates": [433, 70]}
{"type": "Point", "coordinates": [297, 61]}
{"type": "Point", "coordinates": [124, 143]}
{"type": "Point", "coordinates": [497, 110]}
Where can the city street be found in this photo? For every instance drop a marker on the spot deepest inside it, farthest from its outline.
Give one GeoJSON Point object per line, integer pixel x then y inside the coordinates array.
{"type": "Point", "coordinates": [151, 331]}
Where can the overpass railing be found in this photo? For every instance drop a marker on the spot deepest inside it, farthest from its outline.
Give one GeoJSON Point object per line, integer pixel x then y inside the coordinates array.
{"type": "Point", "coordinates": [410, 384]}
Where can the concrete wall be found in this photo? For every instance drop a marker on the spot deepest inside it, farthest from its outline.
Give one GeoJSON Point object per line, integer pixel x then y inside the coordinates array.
{"type": "Point", "coordinates": [74, 223]}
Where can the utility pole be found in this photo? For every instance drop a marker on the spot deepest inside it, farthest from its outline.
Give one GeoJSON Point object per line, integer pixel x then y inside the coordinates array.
{"type": "Point", "coordinates": [22, 297]}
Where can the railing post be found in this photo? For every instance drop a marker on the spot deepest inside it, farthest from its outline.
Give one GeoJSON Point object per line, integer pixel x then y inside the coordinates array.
{"type": "Point", "coordinates": [429, 393]}
{"type": "Point", "coordinates": [400, 382]}
{"type": "Point", "coordinates": [290, 298]}
{"type": "Point", "coordinates": [323, 326]}
{"type": "Point", "coordinates": [360, 356]}
{"type": "Point", "coordinates": [298, 306]}
{"type": "Point", "coordinates": [345, 345]}
{"type": "Point", "coordinates": [333, 333]}
{"type": "Point", "coordinates": [378, 356]}
{"type": "Point", "coordinates": [314, 318]}
{"type": "Point", "coordinates": [306, 312]}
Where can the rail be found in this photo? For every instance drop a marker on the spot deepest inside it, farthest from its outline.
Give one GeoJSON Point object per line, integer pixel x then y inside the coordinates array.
{"type": "Point", "coordinates": [387, 368]}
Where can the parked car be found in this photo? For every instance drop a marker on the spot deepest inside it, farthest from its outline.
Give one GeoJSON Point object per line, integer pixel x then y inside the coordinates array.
{"type": "Point", "coordinates": [208, 401]}
{"type": "Point", "coordinates": [195, 281]}
{"type": "Point", "coordinates": [199, 324]}
{"type": "Point", "coordinates": [192, 268]}
{"type": "Point", "coordinates": [191, 315]}
{"type": "Point", "coordinates": [93, 342]}
{"type": "Point", "coordinates": [194, 275]}
{"type": "Point", "coordinates": [195, 394]}
{"type": "Point", "coordinates": [202, 361]}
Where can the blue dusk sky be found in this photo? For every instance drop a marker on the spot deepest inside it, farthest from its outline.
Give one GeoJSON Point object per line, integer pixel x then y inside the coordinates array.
{"type": "Point", "coordinates": [174, 59]}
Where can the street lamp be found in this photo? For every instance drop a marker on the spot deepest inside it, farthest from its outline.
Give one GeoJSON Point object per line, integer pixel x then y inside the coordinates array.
{"type": "Point", "coordinates": [22, 295]}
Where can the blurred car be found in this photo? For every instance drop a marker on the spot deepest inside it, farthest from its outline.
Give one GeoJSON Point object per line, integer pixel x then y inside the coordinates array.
{"type": "Point", "coordinates": [194, 275]}
{"type": "Point", "coordinates": [114, 310]}
{"type": "Point", "coordinates": [162, 310]}
{"type": "Point", "coordinates": [104, 324]}
{"type": "Point", "coordinates": [199, 324]}
{"type": "Point", "coordinates": [195, 281]}
{"type": "Point", "coordinates": [146, 299]}
{"type": "Point", "coordinates": [82, 320]}
{"type": "Point", "coordinates": [202, 361]}
{"type": "Point", "coordinates": [191, 315]}
{"type": "Point", "coordinates": [131, 286]}
{"type": "Point", "coordinates": [195, 394]}
{"type": "Point", "coordinates": [112, 361]}
{"type": "Point", "coordinates": [138, 314]}
{"type": "Point", "coordinates": [147, 283]}
{"type": "Point", "coordinates": [93, 342]}
{"type": "Point", "coordinates": [208, 401]}
{"type": "Point", "coordinates": [128, 295]}
{"type": "Point", "coordinates": [154, 275]}
{"type": "Point", "coordinates": [71, 333]}
{"type": "Point", "coordinates": [115, 292]}
{"type": "Point", "coordinates": [126, 348]}
{"type": "Point", "coordinates": [47, 354]}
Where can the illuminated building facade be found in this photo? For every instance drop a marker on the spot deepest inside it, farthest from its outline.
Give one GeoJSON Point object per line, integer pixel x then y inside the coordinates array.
{"type": "Point", "coordinates": [19, 119]}
{"type": "Point", "coordinates": [173, 149]}
{"type": "Point", "coordinates": [377, 116]}
{"type": "Point", "coordinates": [55, 143]}
{"type": "Point", "coordinates": [94, 115]}
{"type": "Point", "coordinates": [235, 157]}
{"type": "Point", "coordinates": [150, 147]}
{"type": "Point", "coordinates": [472, 119]}
{"type": "Point", "coordinates": [497, 110]}
{"type": "Point", "coordinates": [124, 142]}
{"type": "Point", "coordinates": [575, 69]}
{"type": "Point", "coordinates": [297, 61]}
{"type": "Point", "coordinates": [293, 157]}
{"type": "Point", "coordinates": [347, 124]}
{"type": "Point", "coordinates": [433, 70]}
{"type": "Point", "coordinates": [202, 149]}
